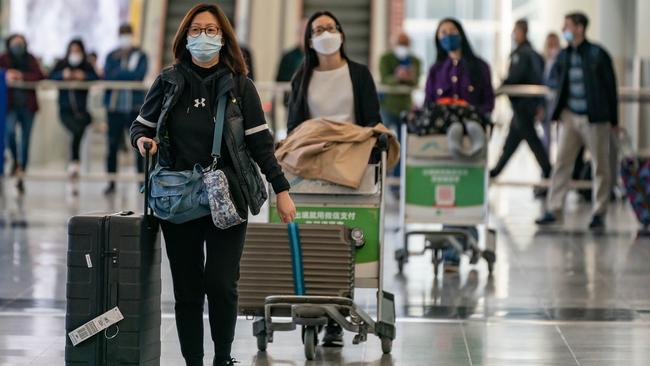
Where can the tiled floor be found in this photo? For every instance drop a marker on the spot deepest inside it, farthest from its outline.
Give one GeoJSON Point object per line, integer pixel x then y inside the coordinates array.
{"type": "Point", "coordinates": [559, 296]}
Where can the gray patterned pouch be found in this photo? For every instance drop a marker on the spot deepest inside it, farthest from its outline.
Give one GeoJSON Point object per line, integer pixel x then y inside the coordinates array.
{"type": "Point", "coordinates": [223, 209]}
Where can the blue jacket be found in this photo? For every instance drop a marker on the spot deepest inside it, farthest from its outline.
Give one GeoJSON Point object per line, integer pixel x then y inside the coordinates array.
{"type": "Point", "coordinates": [129, 66]}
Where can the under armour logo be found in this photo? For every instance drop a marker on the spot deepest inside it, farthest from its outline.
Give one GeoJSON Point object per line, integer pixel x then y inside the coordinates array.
{"type": "Point", "coordinates": [199, 102]}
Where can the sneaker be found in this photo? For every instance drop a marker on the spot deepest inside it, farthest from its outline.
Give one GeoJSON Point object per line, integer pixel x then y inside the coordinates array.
{"type": "Point", "coordinates": [73, 170]}
{"type": "Point", "coordinates": [547, 219]}
{"type": "Point", "coordinates": [597, 223]}
{"type": "Point", "coordinates": [333, 336]}
{"type": "Point", "coordinates": [110, 189]}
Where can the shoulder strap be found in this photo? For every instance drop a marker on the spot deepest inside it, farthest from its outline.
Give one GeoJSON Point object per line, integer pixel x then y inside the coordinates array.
{"type": "Point", "coordinates": [218, 126]}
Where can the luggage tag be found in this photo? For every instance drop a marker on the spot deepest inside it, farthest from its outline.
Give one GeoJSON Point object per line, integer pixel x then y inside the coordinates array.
{"type": "Point", "coordinates": [95, 326]}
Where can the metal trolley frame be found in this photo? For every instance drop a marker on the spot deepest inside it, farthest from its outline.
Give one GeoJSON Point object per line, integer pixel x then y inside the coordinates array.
{"type": "Point", "coordinates": [314, 312]}
{"type": "Point", "coordinates": [416, 220]}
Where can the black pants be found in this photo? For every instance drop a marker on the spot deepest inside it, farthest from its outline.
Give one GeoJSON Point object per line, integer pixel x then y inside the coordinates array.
{"type": "Point", "coordinates": [118, 125]}
{"type": "Point", "coordinates": [523, 128]}
{"type": "Point", "coordinates": [195, 274]}
{"type": "Point", "coordinates": [76, 123]}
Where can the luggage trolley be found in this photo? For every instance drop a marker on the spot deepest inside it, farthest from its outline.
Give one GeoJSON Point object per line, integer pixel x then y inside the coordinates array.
{"type": "Point", "coordinates": [362, 211]}
{"type": "Point", "coordinates": [438, 189]}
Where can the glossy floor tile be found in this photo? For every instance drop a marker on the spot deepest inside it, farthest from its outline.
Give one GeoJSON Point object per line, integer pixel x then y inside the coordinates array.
{"type": "Point", "coordinates": [558, 296]}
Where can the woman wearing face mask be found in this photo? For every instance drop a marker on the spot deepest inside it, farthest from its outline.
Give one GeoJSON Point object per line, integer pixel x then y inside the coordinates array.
{"type": "Point", "coordinates": [22, 105]}
{"type": "Point", "coordinates": [458, 74]}
{"type": "Point", "coordinates": [72, 102]}
{"type": "Point", "coordinates": [328, 84]}
{"type": "Point", "coordinates": [179, 111]}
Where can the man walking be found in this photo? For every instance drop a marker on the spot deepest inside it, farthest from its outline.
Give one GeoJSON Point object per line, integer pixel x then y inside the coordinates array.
{"type": "Point", "coordinates": [588, 111]}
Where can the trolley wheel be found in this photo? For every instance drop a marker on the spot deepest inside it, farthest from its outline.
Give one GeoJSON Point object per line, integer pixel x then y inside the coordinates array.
{"type": "Point", "coordinates": [310, 340]}
{"type": "Point", "coordinates": [490, 258]}
{"type": "Point", "coordinates": [386, 345]}
{"type": "Point", "coordinates": [262, 341]}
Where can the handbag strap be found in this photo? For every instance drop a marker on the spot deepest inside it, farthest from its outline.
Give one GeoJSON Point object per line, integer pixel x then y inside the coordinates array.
{"type": "Point", "coordinates": [218, 127]}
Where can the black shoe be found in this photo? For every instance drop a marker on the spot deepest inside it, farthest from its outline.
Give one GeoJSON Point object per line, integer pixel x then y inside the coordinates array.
{"type": "Point", "coordinates": [229, 362]}
{"type": "Point", "coordinates": [547, 219]}
{"type": "Point", "coordinates": [494, 173]}
{"type": "Point", "coordinates": [110, 189]}
{"type": "Point", "coordinates": [20, 186]}
{"type": "Point", "coordinates": [333, 336]}
{"type": "Point", "coordinates": [597, 223]}
{"type": "Point", "coordinates": [540, 192]}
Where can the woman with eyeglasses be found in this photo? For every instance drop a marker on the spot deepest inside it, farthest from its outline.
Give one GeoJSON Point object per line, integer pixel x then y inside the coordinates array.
{"type": "Point", "coordinates": [179, 111]}
{"type": "Point", "coordinates": [328, 84]}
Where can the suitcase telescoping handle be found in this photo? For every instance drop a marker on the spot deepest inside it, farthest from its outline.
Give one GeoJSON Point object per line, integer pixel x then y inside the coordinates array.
{"type": "Point", "coordinates": [147, 188]}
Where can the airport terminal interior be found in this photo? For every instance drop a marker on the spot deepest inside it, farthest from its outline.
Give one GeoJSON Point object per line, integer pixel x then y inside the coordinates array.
{"type": "Point", "coordinates": [514, 230]}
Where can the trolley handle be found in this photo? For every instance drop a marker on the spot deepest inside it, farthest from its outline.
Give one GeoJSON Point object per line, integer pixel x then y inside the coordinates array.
{"type": "Point", "coordinates": [147, 184]}
{"type": "Point", "coordinates": [382, 142]}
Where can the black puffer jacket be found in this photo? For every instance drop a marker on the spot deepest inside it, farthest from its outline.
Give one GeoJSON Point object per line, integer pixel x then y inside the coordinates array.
{"type": "Point", "coordinates": [238, 134]}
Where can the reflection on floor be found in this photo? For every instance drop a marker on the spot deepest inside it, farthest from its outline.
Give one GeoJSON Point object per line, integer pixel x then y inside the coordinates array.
{"type": "Point", "coordinates": [559, 296]}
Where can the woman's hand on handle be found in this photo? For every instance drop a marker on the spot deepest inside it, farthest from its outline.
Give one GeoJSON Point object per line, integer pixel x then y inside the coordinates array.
{"type": "Point", "coordinates": [286, 208]}
{"type": "Point", "coordinates": [141, 142]}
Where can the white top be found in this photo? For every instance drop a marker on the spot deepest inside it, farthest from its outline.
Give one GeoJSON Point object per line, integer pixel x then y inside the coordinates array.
{"type": "Point", "coordinates": [330, 95]}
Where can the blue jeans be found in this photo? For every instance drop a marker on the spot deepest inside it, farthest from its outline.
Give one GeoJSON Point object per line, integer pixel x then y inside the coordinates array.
{"type": "Point", "coordinates": [25, 118]}
{"type": "Point", "coordinates": [393, 121]}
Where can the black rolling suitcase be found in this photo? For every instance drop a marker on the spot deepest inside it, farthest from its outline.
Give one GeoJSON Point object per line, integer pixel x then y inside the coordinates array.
{"type": "Point", "coordinates": [113, 262]}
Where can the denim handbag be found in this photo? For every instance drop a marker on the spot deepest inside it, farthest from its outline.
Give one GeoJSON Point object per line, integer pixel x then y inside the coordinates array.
{"type": "Point", "coordinates": [224, 212]}
{"type": "Point", "coordinates": [182, 196]}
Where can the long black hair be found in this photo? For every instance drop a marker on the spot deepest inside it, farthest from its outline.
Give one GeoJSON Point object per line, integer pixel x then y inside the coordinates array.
{"type": "Point", "coordinates": [310, 60]}
{"type": "Point", "coordinates": [468, 53]}
{"type": "Point", "coordinates": [63, 63]}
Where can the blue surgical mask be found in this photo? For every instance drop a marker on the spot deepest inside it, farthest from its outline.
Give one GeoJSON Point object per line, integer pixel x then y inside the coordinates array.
{"type": "Point", "coordinates": [451, 42]}
{"type": "Point", "coordinates": [568, 36]}
{"type": "Point", "coordinates": [17, 49]}
{"type": "Point", "coordinates": [204, 48]}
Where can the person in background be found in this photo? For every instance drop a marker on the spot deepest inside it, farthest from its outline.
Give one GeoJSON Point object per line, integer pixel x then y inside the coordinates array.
{"type": "Point", "coordinates": [20, 65]}
{"type": "Point", "coordinates": [458, 74]}
{"type": "Point", "coordinates": [127, 63]}
{"type": "Point", "coordinates": [551, 50]}
{"type": "Point", "coordinates": [72, 102]}
{"type": "Point", "coordinates": [398, 67]}
{"type": "Point", "coordinates": [329, 85]}
{"type": "Point", "coordinates": [291, 59]}
{"type": "Point", "coordinates": [587, 108]}
{"type": "Point", "coordinates": [526, 68]}
{"type": "Point", "coordinates": [91, 57]}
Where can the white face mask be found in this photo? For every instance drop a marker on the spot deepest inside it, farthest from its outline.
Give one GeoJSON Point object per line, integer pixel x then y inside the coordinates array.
{"type": "Point", "coordinates": [327, 43]}
{"type": "Point", "coordinates": [74, 59]}
{"type": "Point", "coordinates": [401, 52]}
{"type": "Point", "coordinates": [125, 41]}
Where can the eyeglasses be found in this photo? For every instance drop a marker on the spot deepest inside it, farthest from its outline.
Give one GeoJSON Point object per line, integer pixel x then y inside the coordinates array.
{"type": "Point", "coordinates": [210, 31]}
{"type": "Point", "coordinates": [328, 28]}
